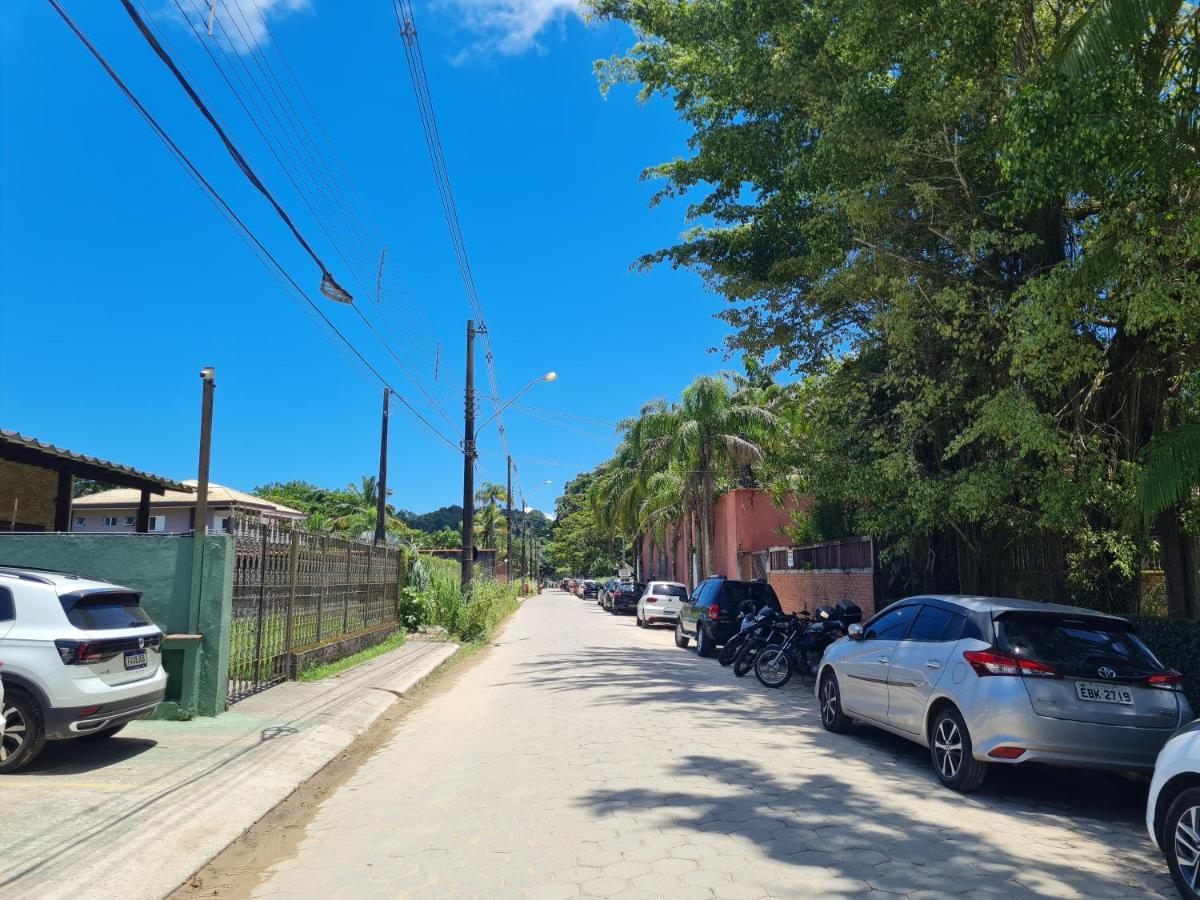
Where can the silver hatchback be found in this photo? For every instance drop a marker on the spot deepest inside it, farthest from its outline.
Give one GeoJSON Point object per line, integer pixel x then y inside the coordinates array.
{"type": "Point", "coordinates": [982, 680]}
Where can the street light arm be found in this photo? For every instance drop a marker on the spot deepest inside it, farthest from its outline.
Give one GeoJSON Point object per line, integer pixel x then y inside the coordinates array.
{"type": "Point", "coordinates": [549, 376]}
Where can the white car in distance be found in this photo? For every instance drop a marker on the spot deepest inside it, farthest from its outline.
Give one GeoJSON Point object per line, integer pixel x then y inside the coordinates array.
{"type": "Point", "coordinates": [1173, 808]}
{"type": "Point", "coordinates": [660, 603]}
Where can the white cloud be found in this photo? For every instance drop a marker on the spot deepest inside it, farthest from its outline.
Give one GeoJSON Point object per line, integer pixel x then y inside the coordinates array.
{"type": "Point", "coordinates": [509, 27]}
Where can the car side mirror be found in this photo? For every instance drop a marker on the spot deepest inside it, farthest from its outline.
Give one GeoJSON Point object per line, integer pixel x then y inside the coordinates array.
{"type": "Point", "coordinates": [855, 632]}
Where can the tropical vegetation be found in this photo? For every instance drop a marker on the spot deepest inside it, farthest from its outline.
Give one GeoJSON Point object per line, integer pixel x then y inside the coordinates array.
{"type": "Point", "coordinates": [966, 239]}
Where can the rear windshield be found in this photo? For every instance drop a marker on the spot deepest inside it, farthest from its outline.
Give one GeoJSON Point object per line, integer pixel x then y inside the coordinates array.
{"type": "Point", "coordinates": [670, 590]}
{"type": "Point", "coordinates": [105, 612]}
{"type": "Point", "coordinates": [752, 595]}
{"type": "Point", "coordinates": [1076, 647]}
{"type": "Point", "coordinates": [631, 587]}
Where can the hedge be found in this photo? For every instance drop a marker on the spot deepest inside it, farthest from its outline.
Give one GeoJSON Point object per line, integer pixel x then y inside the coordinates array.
{"type": "Point", "coordinates": [1177, 643]}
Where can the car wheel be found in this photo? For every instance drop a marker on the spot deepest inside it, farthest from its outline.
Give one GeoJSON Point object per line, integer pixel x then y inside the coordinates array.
{"type": "Point", "coordinates": [832, 717]}
{"type": "Point", "coordinates": [704, 644]}
{"type": "Point", "coordinates": [640, 623]}
{"type": "Point", "coordinates": [103, 734]}
{"type": "Point", "coordinates": [1181, 842]}
{"type": "Point", "coordinates": [681, 639]}
{"type": "Point", "coordinates": [951, 752]}
{"type": "Point", "coordinates": [24, 730]}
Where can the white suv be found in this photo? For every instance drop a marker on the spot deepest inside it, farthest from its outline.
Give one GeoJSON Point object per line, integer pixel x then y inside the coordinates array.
{"type": "Point", "coordinates": [81, 660]}
{"type": "Point", "coordinates": [1173, 808]}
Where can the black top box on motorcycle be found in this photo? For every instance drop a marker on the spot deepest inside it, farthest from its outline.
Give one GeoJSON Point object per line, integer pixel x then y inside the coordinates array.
{"type": "Point", "coordinates": [825, 614]}
{"type": "Point", "coordinates": [848, 612]}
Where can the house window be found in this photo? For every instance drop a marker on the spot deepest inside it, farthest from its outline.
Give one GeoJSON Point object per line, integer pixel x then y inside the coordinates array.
{"type": "Point", "coordinates": [222, 525]}
{"type": "Point", "coordinates": [158, 523]}
{"type": "Point", "coordinates": [130, 520]}
{"type": "Point", "coordinates": [110, 521]}
{"type": "Point", "coordinates": [80, 521]}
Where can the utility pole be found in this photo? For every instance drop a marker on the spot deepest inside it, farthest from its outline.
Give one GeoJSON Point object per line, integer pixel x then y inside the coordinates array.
{"type": "Point", "coordinates": [468, 535]}
{"type": "Point", "coordinates": [200, 515]}
{"type": "Point", "coordinates": [208, 374]}
{"type": "Point", "coordinates": [381, 501]}
{"type": "Point", "coordinates": [508, 566]}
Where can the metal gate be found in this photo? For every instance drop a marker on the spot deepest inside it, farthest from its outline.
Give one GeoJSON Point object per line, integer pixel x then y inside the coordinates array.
{"type": "Point", "coordinates": [294, 589]}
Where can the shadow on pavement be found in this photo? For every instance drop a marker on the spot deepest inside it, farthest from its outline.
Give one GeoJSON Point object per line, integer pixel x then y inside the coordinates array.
{"type": "Point", "coordinates": [1103, 808]}
{"type": "Point", "coordinates": [80, 756]}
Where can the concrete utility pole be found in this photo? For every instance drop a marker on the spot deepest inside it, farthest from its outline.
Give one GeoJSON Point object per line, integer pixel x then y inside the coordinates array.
{"type": "Point", "coordinates": [208, 374]}
{"type": "Point", "coordinates": [468, 535]}
{"type": "Point", "coordinates": [508, 567]}
{"type": "Point", "coordinates": [200, 514]}
{"type": "Point", "coordinates": [381, 501]}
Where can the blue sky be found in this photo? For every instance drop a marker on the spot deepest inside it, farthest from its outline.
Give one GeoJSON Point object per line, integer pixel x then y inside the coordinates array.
{"type": "Point", "coordinates": [118, 280]}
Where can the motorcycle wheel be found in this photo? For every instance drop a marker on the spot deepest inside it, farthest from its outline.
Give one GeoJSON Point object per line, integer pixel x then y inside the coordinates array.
{"type": "Point", "coordinates": [773, 667]}
{"type": "Point", "coordinates": [729, 652]}
{"type": "Point", "coordinates": [744, 661]}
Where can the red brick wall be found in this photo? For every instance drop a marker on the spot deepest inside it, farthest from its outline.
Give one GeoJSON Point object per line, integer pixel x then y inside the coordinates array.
{"type": "Point", "coordinates": [808, 590]}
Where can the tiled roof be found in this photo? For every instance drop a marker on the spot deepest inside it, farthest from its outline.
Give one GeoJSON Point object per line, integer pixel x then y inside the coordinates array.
{"type": "Point", "coordinates": [218, 495]}
{"type": "Point", "coordinates": [15, 439]}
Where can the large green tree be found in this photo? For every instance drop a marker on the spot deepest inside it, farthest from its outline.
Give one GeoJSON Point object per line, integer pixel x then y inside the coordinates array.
{"type": "Point", "coordinates": [983, 261]}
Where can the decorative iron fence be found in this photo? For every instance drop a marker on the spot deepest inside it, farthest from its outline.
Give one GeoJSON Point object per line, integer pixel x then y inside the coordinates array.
{"type": "Point", "coordinates": [851, 554]}
{"type": "Point", "coordinates": [294, 589]}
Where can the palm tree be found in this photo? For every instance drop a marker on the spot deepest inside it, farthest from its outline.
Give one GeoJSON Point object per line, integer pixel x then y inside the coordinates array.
{"type": "Point", "coordinates": [712, 432]}
{"type": "Point", "coordinates": [358, 512]}
{"type": "Point", "coordinates": [1170, 477]}
{"type": "Point", "coordinates": [489, 522]}
{"type": "Point", "coordinates": [1160, 36]}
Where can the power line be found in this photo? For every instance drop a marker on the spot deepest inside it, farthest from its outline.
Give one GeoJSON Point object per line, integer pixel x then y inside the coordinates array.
{"type": "Point", "coordinates": [302, 168]}
{"type": "Point", "coordinates": [232, 217]}
{"type": "Point", "coordinates": [405, 21]}
{"type": "Point", "coordinates": [329, 285]}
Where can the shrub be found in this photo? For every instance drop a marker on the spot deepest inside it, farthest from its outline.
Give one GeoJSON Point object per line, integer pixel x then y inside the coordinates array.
{"type": "Point", "coordinates": [433, 597]}
{"type": "Point", "coordinates": [1177, 643]}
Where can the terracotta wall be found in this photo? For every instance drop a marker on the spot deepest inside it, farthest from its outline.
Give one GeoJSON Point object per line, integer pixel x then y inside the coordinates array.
{"type": "Point", "coordinates": [799, 590]}
{"type": "Point", "coordinates": [746, 520]}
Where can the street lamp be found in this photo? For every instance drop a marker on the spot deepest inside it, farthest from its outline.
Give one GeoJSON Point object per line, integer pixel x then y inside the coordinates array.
{"type": "Point", "coordinates": [549, 376]}
{"type": "Point", "coordinates": [470, 431]}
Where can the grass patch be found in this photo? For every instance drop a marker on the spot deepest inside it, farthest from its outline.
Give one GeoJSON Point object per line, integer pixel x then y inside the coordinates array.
{"type": "Point", "coordinates": [316, 673]}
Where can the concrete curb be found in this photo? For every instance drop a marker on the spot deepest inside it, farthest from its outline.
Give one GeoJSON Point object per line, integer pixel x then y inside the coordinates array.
{"type": "Point", "coordinates": [139, 815]}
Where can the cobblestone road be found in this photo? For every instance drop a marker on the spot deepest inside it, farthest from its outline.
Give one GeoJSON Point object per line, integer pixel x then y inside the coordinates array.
{"type": "Point", "coordinates": [585, 756]}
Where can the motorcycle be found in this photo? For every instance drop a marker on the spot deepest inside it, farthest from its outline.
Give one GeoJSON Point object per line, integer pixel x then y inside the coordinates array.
{"type": "Point", "coordinates": [803, 645]}
{"type": "Point", "coordinates": [730, 650]}
{"type": "Point", "coordinates": [769, 631]}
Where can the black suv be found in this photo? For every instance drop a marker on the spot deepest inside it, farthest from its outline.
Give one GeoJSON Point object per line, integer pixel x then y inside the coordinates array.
{"type": "Point", "coordinates": [714, 613]}
{"type": "Point", "coordinates": [591, 589]}
{"type": "Point", "coordinates": [624, 595]}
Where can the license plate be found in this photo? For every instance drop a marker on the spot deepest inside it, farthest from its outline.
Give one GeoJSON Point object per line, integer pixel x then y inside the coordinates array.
{"type": "Point", "coordinates": [135, 659]}
{"type": "Point", "coordinates": [1103, 693]}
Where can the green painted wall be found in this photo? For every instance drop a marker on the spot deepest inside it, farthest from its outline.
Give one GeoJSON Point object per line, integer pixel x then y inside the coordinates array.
{"type": "Point", "coordinates": [160, 567]}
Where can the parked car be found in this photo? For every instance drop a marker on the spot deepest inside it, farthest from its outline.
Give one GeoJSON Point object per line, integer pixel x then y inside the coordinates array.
{"type": "Point", "coordinates": [660, 602]}
{"type": "Point", "coordinates": [715, 610]}
{"type": "Point", "coordinates": [605, 596]}
{"type": "Point", "coordinates": [1173, 808]}
{"type": "Point", "coordinates": [982, 680]}
{"type": "Point", "coordinates": [81, 660]}
{"type": "Point", "coordinates": [591, 589]}
{"type": "Point", "coordinates": [623, 597]}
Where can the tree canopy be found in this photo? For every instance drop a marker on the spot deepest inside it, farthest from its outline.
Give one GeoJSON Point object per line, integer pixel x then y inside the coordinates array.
{"type": "Point", "coordinates": [971, 229]}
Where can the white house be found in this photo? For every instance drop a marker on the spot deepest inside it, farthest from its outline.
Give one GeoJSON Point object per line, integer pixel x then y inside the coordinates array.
{"type": "Point", "coordinates": [174, 512]}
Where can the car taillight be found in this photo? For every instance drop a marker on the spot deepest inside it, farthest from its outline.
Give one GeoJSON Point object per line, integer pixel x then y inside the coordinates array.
{"type": "Point", "coordinates": [991, 662]}
{"type": "Point", "coordinates": [714, 612]}
{"type": "Point", "coordinates": [1169, 680]}
{"type": "Point", "coordinates": [80, 653]}
{"type": "Point", "coordinates": [651, 599]}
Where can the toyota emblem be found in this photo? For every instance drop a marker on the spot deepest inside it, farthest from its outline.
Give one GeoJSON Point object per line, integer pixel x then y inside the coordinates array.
{"type": "Point", "coordinates": [1106, 672]}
